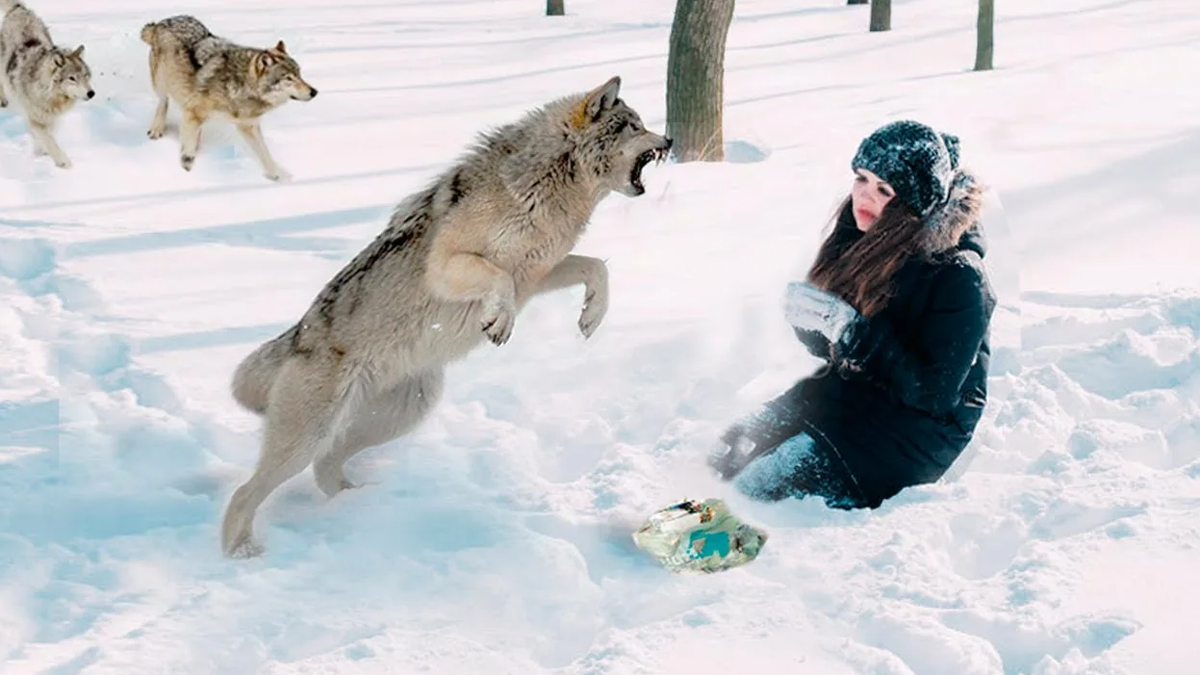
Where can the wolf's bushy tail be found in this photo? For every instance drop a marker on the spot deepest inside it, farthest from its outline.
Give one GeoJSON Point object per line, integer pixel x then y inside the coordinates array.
{"type": "Point", "coordinates": [255, 375]}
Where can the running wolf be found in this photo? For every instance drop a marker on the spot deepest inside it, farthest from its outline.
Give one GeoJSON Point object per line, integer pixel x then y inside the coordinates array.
{"type": "Point", "coordinates": [44, 80]}
{"type": "Point", "coordinates": [206, 74]}
{"type": "Point", "coordinates": [457, 261]}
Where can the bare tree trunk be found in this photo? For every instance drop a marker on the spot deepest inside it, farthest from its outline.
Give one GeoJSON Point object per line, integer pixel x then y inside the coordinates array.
{"type": "Point", "coordinates": [881, 15]}
{"type": "Point", "coordinates": [695, 79]}
{"type": "Point", "coordinates": [858, 2]}
{"type": "Point", "coordinates": [984, 34]}
{"type": "Point", "coordinates": [555, 8]}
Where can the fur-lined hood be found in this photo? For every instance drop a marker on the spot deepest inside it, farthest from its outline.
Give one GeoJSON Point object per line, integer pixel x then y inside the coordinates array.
{"type": "Point", "coordinates": [959, 215]}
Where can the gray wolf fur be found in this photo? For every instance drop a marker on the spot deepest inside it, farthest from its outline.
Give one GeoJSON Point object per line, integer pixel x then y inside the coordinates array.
{"type": "Point", "coordinates": [454, 266]}
{"type": "Point", "coordinates": [44, 80]}
{"type": "Point", "coordinates": [205, 74]}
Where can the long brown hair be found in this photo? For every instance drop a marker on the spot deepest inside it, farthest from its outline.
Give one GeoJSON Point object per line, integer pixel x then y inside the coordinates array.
{"type": "Point", "coordinates": [863, 273]}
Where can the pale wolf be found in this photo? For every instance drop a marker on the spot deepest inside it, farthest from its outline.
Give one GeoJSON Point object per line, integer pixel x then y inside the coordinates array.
{"type": "Point", "coordinates": [43, 80]}
{"type": "Point", "coordinates": [206, 74]}
{"type": "Point", "coordinates": [454, 266]}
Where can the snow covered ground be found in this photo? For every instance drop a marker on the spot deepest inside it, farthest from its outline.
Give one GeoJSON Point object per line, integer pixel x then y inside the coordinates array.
{"type": "Point", "coordinates": [495, 538]}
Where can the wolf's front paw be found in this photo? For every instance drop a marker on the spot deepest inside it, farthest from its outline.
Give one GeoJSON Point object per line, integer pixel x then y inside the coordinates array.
{"type": "Point", "coordinates": [497, 321]}
{"type": "Point", "coordinates": [62, 163]}
{"type": "Point", "coordinates": [186, 161]}
{"type": "Point", "coordinates": [595, 306]}
{"type": "Point", "coordinates": [156, 132]}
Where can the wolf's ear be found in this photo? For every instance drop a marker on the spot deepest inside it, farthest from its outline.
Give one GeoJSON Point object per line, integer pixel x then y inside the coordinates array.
{"type": "Point", "coordinates": [262, 61]}
{"type": "Point", "coordinates": [78, 51]}
{"type": "Point", "coordinates": [279, 47]}
{"type": "Point", "coordinates": [596, 101]}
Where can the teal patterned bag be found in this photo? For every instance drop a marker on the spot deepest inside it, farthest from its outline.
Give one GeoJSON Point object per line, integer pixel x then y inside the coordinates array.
{"type": "Point", "coordinates": [699, 536]}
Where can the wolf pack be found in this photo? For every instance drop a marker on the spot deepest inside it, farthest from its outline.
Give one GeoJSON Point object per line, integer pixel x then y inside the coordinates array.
{"type": "Point", "coordinates": [451, 270]}
{"type": "Point", "coordinates": [204, 74]}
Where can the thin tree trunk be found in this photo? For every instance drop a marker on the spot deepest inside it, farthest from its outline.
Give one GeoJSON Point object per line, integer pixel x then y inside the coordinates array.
{"type": "Point", "coordinates": [984, 34]}
{"type": "Point", "coordinates": [858, 2]}
{"type": "Point", "coordinates": [695, 79]}
{"type": "Point", "coordinates": [555, 8]}
{"type": "Point", "coordinates": [881, 15]}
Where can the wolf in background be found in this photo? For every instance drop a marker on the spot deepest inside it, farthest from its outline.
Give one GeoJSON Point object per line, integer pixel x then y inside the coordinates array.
{"type": "Point", "coordinates": [454, 266]}
{"type": "Point", "coordinates": [44, 80]}
{"type": "Point", "coordinates": [206, 74]}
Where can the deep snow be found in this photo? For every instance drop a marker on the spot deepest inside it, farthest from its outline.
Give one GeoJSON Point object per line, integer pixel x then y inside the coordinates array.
{"type": "Point", "coordinates": [495, 538]}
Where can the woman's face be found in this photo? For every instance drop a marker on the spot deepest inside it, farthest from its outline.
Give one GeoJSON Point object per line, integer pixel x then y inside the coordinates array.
{"type": "Point", "coordinates": [868, 196]}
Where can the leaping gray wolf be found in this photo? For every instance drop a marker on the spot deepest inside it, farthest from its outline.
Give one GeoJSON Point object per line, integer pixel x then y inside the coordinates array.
{"type": "Point", "coordinates": [43, 80]}
{"type": "Point", "coordinates": [206, 74]}
{"type": "Point", "coordinates": [455, 265]}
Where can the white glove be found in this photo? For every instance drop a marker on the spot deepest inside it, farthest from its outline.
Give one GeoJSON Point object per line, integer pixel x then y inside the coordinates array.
{"type": "Point", "coordinates": [810, 309]}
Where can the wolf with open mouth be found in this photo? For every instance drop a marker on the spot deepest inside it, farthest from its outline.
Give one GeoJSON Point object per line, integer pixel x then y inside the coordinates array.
{"type": "Point", "coordinates": [452, 269]}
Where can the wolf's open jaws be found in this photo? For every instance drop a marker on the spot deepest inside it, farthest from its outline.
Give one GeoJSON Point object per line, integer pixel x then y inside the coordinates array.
{"type": "Point", "coordinates": [656, 155]}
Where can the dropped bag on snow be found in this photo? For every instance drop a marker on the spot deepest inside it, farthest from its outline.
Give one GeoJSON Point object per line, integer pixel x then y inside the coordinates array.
{"type": "Point", "coordinates": [699, 536]}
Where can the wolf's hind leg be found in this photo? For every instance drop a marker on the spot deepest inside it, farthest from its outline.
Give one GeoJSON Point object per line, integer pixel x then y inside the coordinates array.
{"type": "Point", "coordinates": [381, 417]}
{"type": "Point", "coordinates": [298, 427]}
{"type": "Point", "coordinates": [158, 126]}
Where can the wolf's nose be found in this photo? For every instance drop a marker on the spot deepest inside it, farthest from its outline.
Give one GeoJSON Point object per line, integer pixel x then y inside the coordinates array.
{"type": "Point", "coordinates": [669, 142]}
{"type": "Point", "coordinates": [314, 91]}
{"type": "Point", "coordinates": [90, 94]}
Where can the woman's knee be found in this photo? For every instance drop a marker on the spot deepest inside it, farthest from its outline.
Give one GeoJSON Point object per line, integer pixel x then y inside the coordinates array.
{"type": "Point", "coordinates": [774, 476]}
{"type": "Point", "coordinates": [800, 467]}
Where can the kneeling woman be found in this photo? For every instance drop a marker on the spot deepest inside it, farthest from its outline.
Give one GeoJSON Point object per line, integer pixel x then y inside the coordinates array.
{"type": "Point", "coordinates": [899, 305]}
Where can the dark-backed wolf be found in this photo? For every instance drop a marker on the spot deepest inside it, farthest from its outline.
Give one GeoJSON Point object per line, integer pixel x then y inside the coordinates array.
{"type": "Point", "coordinates": [44, 80]}
{"type": "Point", "coordinates": [454, 266]}
{"type": "Point", "coordinates": [206, 74]}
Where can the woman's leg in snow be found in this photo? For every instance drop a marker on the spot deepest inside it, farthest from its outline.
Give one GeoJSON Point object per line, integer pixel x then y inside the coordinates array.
{"type": "Point", "coordinates": [798, 467]}
{"type": "Point", "coordinates": [758, 433]}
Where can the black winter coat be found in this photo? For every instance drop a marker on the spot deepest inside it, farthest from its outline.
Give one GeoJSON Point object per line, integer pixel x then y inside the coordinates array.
{"type": "Point", "coordinates": [903, 398]}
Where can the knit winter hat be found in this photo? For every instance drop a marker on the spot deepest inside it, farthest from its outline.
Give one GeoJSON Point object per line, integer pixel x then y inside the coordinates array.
{"type": "Point", "coordinates": [916, 160]}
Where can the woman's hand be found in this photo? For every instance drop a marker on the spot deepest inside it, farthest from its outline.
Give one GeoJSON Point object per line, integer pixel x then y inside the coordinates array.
{"type": "Point", "coordinates": [821, 319]}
